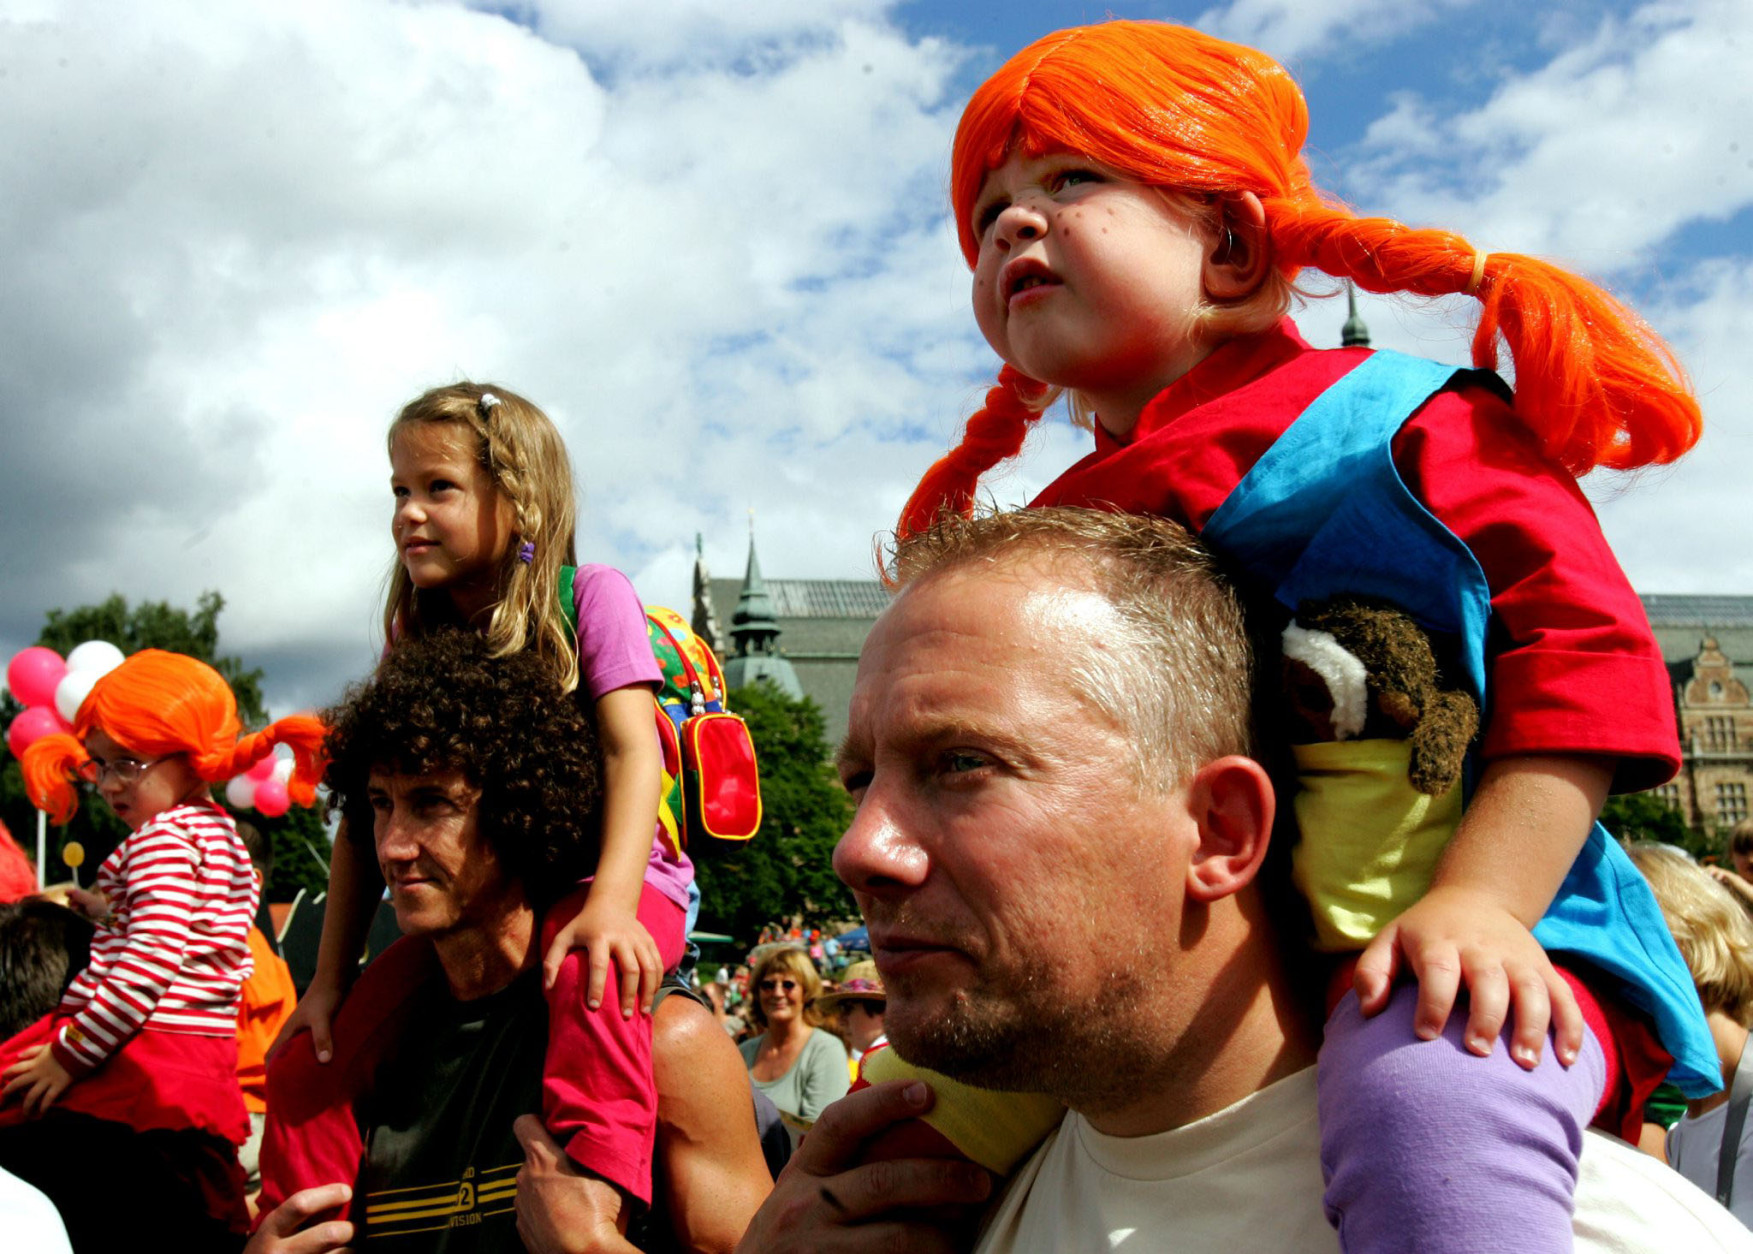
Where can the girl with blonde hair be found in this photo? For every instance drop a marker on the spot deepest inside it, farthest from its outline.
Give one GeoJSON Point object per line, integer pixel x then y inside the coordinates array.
{"type": "Point", "coordinates": [1134, 203]}
{"type": "Point", "coordinates": [483, 524]}
{"type": "Point", "coordinates": [145, 1038]}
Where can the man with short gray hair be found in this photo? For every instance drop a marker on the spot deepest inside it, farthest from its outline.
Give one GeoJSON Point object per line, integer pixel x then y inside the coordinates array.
{"type": "Point", "coordinates": [1058, 848]}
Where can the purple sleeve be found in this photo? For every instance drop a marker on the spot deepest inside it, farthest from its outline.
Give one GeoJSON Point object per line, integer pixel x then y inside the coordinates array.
{"type": "Point", "coordinates": [613, 649]}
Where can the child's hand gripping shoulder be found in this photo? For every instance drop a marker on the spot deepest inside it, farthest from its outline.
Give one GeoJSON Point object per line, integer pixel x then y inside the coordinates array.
{"type": "Point", "coordinates": [1525, 826]}
{"type": "Point", "coordinates": [611, 935]}
{"type": "Point", "coordinates": [608, 927]}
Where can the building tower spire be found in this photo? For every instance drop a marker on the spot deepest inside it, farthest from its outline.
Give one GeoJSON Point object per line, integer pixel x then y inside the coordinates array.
{"type": "Point", "coordinates": [704, 620]}
{"type": "Point", "coordinates": [1354, 334]}
{"type": "Point", "coordinates": [755, 628]}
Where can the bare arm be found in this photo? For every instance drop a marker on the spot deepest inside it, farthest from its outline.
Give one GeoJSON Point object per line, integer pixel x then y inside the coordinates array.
{"type": "Point", "coordinates": [355, 887]}
{"type": "Point", "coordinates": [711, 1173]}
{"type": "Point", "coordinates": [1528, 820]}
{"type": "Point", "coordinates": [607, 926]}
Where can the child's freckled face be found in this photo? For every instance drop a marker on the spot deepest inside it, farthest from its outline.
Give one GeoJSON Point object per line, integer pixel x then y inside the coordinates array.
{"type": "Point", "coordinates": [451, 524]}
{"type": "Point", "coordinates": [1087, 279]}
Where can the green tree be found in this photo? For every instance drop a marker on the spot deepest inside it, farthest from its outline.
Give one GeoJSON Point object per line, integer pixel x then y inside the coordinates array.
{"type": "Point", "coordinates": [158, 625]}
{"type": "Point", "coordinates": [1645, 816]}
{"type": "Point", "coordinates": [787, 868]}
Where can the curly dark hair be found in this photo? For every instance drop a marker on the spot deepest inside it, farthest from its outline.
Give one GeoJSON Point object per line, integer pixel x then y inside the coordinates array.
{"type": "Point", "coordinates": [443, 703]}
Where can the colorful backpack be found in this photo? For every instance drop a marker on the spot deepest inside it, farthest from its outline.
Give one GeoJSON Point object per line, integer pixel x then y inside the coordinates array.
{"type": "Point", "coordinates": [712, 791]}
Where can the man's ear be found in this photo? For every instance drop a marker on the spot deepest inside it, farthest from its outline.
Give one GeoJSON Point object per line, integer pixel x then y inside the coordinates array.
{"type": "Point", "coordinates": [1236, 265]}
{"type": "Point", "coordinates": [1232, 802]}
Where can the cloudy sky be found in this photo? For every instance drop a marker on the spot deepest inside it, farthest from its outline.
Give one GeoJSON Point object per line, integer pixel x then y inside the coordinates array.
{"type": "Point", "coordinates": [711, 240]}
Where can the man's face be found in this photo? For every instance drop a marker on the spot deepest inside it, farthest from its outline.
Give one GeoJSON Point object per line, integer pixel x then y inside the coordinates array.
{"type": "Point", "coordinates": [1017, 886]}
{"type": "Point", "coordinates": [864, 1023]}
{"type": "Point", "coordinates": [442, 873]}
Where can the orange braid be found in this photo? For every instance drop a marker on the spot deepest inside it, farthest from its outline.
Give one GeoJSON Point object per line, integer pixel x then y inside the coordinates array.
{"type": "Point", "coordinates": [50, 764]}
{"type": "Point", "coordinates": [1177, 109]}
{"type": "Point", "coordinates": [995, 432]}
{"type": "Point", "coordinates": [304, 734]}
{"type": "Point", "coordinates": [1593, 382]}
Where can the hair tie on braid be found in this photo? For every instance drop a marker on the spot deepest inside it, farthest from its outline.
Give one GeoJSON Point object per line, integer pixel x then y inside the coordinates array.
{"type": "Point", "coordinates": [486, 403]}
{"type": "Point", "coordinates": [1472, 288]}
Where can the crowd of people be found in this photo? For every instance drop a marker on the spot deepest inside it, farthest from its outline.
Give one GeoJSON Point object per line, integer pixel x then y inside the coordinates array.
{"type": "Point", "coordinates": [1225, 820]}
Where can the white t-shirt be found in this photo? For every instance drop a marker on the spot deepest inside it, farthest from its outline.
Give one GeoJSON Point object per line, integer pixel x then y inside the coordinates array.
{"type": "Point", "coordinates": [1694, 1145]}
{"type": "Point", "coordinates": [30, 1221]}
{"type": "Point", "coordinates": [1249, 1179]}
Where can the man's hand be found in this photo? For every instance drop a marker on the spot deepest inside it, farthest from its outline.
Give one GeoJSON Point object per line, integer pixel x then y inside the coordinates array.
{"type": "Point", "coordinates": [37, 1079]}
{"type": "Point", "coordinates": [1454, 937]}
{"type": "Point", "coordinates": [560, 1209]}
{"type": "Point", "coordinates": [283, 1230]}
{"type": "Point", "coordinates": [825, 1203]}
{"type": "Point", "coordinates": [609, 936]}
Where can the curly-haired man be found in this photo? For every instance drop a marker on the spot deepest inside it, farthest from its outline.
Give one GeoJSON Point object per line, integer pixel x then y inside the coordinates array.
{"type": "Point", "coordinates": [477, 781]}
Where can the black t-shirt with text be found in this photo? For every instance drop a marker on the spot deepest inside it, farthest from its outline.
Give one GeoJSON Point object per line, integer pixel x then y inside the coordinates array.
{"type": "Point", "coordinates": [441, 1160]}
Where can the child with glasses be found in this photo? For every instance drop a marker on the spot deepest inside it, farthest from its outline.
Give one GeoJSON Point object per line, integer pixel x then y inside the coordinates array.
{"type": "Point", "coordinates": [141, 1054]}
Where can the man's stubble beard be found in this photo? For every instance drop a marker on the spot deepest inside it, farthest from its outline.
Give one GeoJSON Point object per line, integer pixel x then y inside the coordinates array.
{"type": "Point", "coordinates": [1027, 1036]}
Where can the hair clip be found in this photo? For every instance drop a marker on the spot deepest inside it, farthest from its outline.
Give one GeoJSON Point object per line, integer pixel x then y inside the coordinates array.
{"type": "Point", "coordinates": [487, 402]}
{"type": "Point", "coordinates": [526, 552]}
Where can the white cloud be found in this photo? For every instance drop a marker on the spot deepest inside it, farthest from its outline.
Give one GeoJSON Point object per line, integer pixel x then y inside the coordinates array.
{"type": "Point", "coordinates": [1295, 29]}
{"type": "Point", "coordinates": [238, 239]}
{"type": "Point", "coordinates": [1599, 156]}
{"type": "Point", "coordinates": [1686, 528]}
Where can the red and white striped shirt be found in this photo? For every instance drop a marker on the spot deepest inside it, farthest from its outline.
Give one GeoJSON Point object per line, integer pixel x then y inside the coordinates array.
{"type": "Point", "coordinates": [175, 951]}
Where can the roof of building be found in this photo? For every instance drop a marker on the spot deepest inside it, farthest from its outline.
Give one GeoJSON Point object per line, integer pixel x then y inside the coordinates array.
{"type": "Point", "coordinates": [1703, 612]}
{"type": "Point", "coordinates": [827, 598]}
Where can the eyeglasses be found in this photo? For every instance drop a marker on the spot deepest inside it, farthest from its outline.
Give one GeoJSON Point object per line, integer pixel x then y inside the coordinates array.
{"type": "Point", "coordinates": [770, 983]}
{"type": "Point", "coordinates": [125, 771]}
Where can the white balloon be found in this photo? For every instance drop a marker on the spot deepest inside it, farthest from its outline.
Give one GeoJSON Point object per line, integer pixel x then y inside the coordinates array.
{"type": "Point", "coordinates": [70, 692]}
{"type": "Point", "coordinates": [283, 769]}
{"type": "Point", "coordinates": [241, 792]}
{"type": "Point", "coordinates": [100, 657]}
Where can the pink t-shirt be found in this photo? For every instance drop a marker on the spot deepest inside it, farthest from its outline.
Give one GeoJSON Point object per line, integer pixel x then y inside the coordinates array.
{"type": "Point", "coordinates": [615, 652]}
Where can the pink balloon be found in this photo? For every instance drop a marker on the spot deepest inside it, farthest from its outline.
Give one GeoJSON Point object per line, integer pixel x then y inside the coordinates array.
{"type": "Point", "coordinates": [272, 799]}
{"type": "Point", "coordinates": [32, 726]}
{"type": "Point", "coordinates": [262, 769]}
{"type": "Point", "coordinates": [33, 675]}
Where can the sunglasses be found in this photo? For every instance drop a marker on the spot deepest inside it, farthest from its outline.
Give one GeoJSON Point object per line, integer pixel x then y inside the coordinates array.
{"type": "Point", "coordinates": [770, 983]}
{"type": "Point", "coordinates": [125, 771]}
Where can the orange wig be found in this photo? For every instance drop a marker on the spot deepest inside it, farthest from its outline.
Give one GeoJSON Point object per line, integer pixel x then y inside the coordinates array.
{"type": "Point", "coordinates": [1177, 109]}
{"type": "Point", "coordinates": [157, 704]}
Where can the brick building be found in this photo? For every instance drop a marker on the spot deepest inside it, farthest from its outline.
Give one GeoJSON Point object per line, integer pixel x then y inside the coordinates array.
{"type": "Point", "coordinates": [1708, 644]}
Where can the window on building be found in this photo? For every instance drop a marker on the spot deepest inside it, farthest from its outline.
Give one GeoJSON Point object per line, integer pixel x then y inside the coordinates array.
{"type": "Point", "coordinates": [1719, 731]}
{"type": "Point", "coordinates": [1669, 795]}
{"type": "Point", "coordinates": [1731, 803]}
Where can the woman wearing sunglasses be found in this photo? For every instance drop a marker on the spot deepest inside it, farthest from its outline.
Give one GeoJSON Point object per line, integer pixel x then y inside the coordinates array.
{"type": "Point", "coordinates": [800, 1066]}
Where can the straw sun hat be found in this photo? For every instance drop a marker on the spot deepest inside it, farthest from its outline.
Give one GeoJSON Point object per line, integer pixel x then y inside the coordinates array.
{"type": "Point", "coordinates": [863, 982]}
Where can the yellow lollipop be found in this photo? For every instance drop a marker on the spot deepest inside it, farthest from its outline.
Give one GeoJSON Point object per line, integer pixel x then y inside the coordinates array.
{"type": "Point", "coordinates": [73, 854]}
